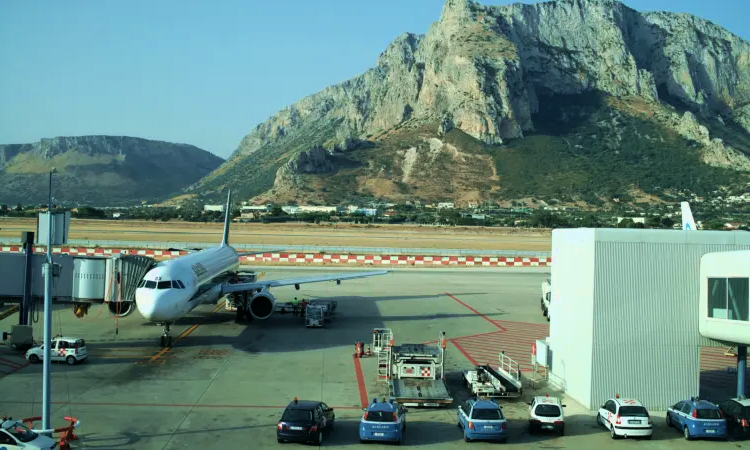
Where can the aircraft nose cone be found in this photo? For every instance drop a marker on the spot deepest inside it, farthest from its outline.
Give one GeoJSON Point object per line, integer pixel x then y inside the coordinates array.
{"type": "Point", "coordinates": [147, 304]}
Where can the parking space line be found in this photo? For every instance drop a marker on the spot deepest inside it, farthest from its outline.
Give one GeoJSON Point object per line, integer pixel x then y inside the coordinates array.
{"type": "Point", "coordinates": [494, 323]}
{"type": "Point", "coordinates": [184, 334]}
{"type": "Point", "coordinates": [360, 381]}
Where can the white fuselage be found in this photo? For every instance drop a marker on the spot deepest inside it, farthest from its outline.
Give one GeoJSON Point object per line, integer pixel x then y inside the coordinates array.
{"type": "Point", "coordinates": [168, 291]}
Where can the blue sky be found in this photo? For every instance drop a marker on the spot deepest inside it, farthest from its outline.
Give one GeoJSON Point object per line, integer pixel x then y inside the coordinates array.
{"type": "Point", "coordinates": [205, 73]}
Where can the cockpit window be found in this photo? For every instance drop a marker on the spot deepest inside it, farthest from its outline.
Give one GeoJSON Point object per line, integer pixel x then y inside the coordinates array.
{"type": "Point", "coordinates": [150, 284]}
{"type": "Point", "coordinates": [182, 286]}
{"type": "Point", "coordinates": [164, 285]}
{"type": "Point", "coordinates": [176, 284]}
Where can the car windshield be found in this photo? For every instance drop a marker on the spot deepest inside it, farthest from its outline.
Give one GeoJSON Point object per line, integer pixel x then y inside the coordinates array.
{"type": "Point", "coordinates": [633, 411]}
{"type": "Point", "coordinates": [705, 413]}
{"type": "Point", "coordinates": [379, 416]}
{"type": "Point", "coordinates": [297, 415]}
{"type": "Point", "coordinates": [487, 414]}
{"type": "Point", "coordinates": [547, 411]}
{"type": "Point", "coordinates": [21, 432]}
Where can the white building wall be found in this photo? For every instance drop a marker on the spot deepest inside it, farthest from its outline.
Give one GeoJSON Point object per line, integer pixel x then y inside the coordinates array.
{"type": "Point", "coordinates": [571, 311]}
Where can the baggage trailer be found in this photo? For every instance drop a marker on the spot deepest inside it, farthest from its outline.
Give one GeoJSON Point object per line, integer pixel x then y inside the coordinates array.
{"type": "Point", "coordinates": [417, 375]}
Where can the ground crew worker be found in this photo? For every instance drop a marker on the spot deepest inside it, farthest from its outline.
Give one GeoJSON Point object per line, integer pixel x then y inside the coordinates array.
{"type": "Point", "coordinates": [295, 306]}
{"type": "Point", "coordinates": [304, 306]}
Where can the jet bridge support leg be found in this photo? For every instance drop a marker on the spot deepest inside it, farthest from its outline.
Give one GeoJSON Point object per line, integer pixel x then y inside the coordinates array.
{"type": "Point", "coordinates": [741, 369]}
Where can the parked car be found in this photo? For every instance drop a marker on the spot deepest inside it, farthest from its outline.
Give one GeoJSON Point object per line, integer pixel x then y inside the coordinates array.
{"type": "Point", "coordinates": [697, 419]}
{"type": "Point", "coordinates": [737, 414]}
{"type": "Point", "coordinates": [625, 417]}
{"type": "Point", "coordinates": [305, 421]}
{"type": "Point", "coordinates": [16, 435]}
{"type": "Point", "coordinates": [483, 420]}
{"type": "Point", "coordinates": [383, 421]}
{"type": "Point", "coordinates": [546, 413]}
{"type": "Point", "coordinates": [69, 349]}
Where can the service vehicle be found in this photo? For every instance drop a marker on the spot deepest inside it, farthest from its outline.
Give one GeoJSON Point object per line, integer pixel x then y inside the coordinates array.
{"type": "Point", "coordinates": [546, 297]}
{"type": "Point", "coordinates": [316, 316]}
{"type": "Point", "coordinates": [546, 413]}
{"type": "Point", "coordinates": [383, 421]}
{"type": "Point", "coordinates": [737, 414]}
{"type": "Point", "coordinates": [486, 381]}
{"type": "Point", "coordinates": [625, 417]}
{"type": "Point", "coordinates": [697, 419]}
{"type": "Point", "coordinates": [416, 373]}
{"type": "Point", "coordinates": [14, 434]}
{"type": "Point", "coordinates": [305, 421]}
{"type": "Point", "coordinates": [69, 349]}
{"type": "Point", "coordinates": [483, 420]}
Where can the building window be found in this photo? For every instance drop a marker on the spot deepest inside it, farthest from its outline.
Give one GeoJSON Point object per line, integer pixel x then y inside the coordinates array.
{"type": "Point", "coordinates": [729, 298]}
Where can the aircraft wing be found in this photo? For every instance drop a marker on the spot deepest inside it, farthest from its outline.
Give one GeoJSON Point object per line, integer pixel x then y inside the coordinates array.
{"type": "Point", "coordinates": [239, 287]}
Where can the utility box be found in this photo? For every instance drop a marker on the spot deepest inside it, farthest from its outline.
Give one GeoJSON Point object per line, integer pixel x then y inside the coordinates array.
{"type": "Point", "coordinates": [21, 337]}
{"type": "Point", "coordinates": [60, 228]}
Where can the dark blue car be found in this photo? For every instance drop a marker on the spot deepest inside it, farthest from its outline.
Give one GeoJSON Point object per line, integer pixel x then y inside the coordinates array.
{"type": "Point", "coordinates": [697, 419]}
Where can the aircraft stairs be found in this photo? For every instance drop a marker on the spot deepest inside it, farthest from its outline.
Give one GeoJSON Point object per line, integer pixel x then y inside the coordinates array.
{"type": "Point", "coordinates": [382, 344]}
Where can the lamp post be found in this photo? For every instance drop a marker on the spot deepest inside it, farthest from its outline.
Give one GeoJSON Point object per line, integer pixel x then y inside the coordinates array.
{"type": "Point", "coordinates": [47, 317]}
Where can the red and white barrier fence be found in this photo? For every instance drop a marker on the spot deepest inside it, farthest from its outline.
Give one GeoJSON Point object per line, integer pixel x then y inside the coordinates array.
{"type": "Point", "coordinates": [315, 258]}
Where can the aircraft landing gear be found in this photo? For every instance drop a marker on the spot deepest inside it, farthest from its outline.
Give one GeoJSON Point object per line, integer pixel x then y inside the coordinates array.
{"type": "Point", "coordinates": [166, 339]}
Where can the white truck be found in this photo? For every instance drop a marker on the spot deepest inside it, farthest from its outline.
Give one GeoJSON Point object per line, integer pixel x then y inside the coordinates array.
{"type": "Point", "coordinates": [546, 296]}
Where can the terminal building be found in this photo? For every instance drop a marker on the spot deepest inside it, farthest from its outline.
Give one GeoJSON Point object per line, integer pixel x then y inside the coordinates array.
{"type": "Point", "coordinates": [631, 308]}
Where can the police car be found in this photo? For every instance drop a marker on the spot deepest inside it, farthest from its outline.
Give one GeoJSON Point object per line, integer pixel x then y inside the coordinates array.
{"type": "Point", "coordinates": [68, 349]}
{"type": "Point", "coordinates": [625, 417]}
{"type": "Point", "coordinates": [15, 435]}
{"type": "Point", "coordinates": [546, 413]}
{"type": "Point", "coordinates": [383, 421]}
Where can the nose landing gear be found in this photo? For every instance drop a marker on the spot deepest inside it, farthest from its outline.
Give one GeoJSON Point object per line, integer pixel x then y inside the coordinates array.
{"type": "Point", "coordinates": [166, 339]}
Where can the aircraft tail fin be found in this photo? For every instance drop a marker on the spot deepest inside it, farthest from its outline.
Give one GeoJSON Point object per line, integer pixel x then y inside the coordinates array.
{"type": "Point", "coordinates": [687, 217]}
{"type": "Point", "coordinates": [227, 219]}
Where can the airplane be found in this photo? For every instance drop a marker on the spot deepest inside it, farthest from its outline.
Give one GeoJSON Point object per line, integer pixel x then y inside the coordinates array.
{"type": "Point", "coordinates": [687, 217]}
{"type": "Point", "coordinates": [175, 287]}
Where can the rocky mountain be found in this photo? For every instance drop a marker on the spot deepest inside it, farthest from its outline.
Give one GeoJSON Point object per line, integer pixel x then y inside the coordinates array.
{"type": "Point", "coordinates": [99, 170]}
{"type": "Point", "coordinates": [574, 99]}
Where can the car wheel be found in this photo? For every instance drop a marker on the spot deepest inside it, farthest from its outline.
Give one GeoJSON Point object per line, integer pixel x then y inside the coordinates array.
{"type": "Point", "coordinates": [70, 360]}
{"type": "Point", "coordinates": [669, 421]}
{"type": "Point", "coordinates": [281, 441]}
{"type": "Point", "coordinates": [532, 430]}
{"type": "Point", "coordinates": [466, 439]}
{"type": "Point", "coordinates": [599, 419]}
{"type": "Point", "coordinates": [320, 438]}
{"type": "Point", "coordinates": [686, 432]}
{"type": "Point", "coordinates": [612, 433]}
{"type": "Point", "coordinates": [33, 359]}
{"type": "Point", "coordinates": [562, 430]}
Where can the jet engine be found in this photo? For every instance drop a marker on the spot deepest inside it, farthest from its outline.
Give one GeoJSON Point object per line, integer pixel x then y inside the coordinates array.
{"type": "Point", "coordinates": [262, 305]}
{"type": "Point", "coordinates": [120, 309]}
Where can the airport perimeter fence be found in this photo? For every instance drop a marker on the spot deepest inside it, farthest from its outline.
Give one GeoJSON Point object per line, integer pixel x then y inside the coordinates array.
{"type": "Point", "coordinates": [301, 248]}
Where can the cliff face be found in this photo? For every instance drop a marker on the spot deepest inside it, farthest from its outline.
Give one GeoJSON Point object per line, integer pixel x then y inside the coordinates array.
{"type": "Point", "coordinates": [486, 71]}
{"type": "Point", "coordinates": [100, 170]}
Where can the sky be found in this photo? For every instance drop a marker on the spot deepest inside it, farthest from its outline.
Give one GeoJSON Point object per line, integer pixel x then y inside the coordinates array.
{"type": "Point", "coordinates": [206, 73]}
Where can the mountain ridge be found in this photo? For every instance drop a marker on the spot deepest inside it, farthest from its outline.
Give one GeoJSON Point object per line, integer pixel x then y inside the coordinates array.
{"type": "Point", "coordinates": [485, 71]}
{"type": "Point", "coordinates": [100, 169]}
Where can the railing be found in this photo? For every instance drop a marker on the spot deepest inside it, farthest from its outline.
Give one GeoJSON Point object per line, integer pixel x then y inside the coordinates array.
{"type": "Point", "coordinates": [510, 367]}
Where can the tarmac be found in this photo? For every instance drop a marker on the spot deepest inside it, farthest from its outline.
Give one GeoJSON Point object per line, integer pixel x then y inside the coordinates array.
{"type": "Point", "coordinates": [224, 384]}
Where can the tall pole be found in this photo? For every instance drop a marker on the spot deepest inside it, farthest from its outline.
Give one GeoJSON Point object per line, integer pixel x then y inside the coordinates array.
{"type": "Point", "coordinates": [47, 317]}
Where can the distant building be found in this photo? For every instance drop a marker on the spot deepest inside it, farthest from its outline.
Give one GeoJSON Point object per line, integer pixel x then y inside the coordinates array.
{"type": "Point", "coordinates": [446, 205]}
{"type": "Point", "coordinates": [219, 208]}
{"type": "Point", "coordinates": [634, 219]}
{"type": "Point", "coordinates": [253, 208]}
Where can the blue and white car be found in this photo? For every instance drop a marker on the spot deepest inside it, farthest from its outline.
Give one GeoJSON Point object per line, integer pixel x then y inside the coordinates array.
{"type": "Point", "coordinates": [697, 419]}
{"type": "Point", "coordinates": [483, 420]}
{"type": "Point", "coordinates": [383, 421]}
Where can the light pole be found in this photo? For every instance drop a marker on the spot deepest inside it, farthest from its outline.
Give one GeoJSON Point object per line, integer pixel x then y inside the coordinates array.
{"type": "Point", "coordinates": [47, 317]}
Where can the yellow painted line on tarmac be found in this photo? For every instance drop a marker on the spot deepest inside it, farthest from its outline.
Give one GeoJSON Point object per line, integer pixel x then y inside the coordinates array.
{"type": "Point", "coordinates": [184, 334]}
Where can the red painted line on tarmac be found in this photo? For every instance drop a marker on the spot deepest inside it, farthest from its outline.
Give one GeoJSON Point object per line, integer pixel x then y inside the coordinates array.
{"type": "Point", "coordinates": [497, 325]}
{"type": "Point", "coordinates": [463, 352]}
{"type": "Point", "coordinates": [360, 381]}
{"type": "Point", "coordinates": [170, 405]}
{"type": "Point", "coordinates": [10, 363]}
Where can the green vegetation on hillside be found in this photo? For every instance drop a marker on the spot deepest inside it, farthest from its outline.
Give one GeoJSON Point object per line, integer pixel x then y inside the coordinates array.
{"type": "Point", "coordinates": [585, 149]}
